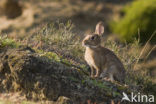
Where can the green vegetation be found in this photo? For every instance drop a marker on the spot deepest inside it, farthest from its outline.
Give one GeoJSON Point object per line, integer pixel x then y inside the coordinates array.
{"type": "Point", "coordinates": [67, 43]}
{"type": "Point", "coordinates": [58, 36]}
{"type": "Point", "coordinates": [128, 58]}
{"type": "Point", "coordinates": [39, 52]}
{"type": "Point", "coordinates": [139, 19]}
{"type": "Point", "coordinates": [4, 41]}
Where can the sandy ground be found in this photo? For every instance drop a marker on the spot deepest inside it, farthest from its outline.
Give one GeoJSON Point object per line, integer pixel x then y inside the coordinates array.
{"type": "Point", "coordinates": [84, 15]}
{"type": "Point", "coordinates": [11, 98]}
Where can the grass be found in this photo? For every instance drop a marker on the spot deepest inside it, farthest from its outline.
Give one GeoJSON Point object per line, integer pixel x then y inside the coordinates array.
{"type": "Point", "coordinates": [59, 37]}
{"type": "Point", "coordinates": [56, 42]}
{"type": "Point", "coordinates": [47, 55]}
{"type": "Point", "coordinates": [59, 43]}
{"type": "Point", "coordinates": [64, 40]}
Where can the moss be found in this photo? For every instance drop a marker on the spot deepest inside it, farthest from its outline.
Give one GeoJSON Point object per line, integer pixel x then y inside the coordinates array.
{"type": "Point", "coordinates": [66, 62]}
{"type": "Point", "coordinates": [140, 15]}
{"type": "Point", "coordinates": [6, 42]}
{"type": "Point", "coordinates": [51, 56]}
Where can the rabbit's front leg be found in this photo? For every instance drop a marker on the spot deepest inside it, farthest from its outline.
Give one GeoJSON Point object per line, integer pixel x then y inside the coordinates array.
{"type": "Point", "coordinates": [92, 71]}
{"type": "Point", "coordinates": [98, 72]}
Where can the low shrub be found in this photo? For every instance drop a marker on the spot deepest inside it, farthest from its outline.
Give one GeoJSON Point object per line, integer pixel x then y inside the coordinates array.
{"type": "Point", "coordinates": [139, 19]}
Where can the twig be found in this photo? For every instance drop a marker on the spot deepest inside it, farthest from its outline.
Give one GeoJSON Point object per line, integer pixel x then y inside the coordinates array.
{"type": "Point", "coordinates": [144, 48]}
{"type": "Point", "coordinates": [150, 51]}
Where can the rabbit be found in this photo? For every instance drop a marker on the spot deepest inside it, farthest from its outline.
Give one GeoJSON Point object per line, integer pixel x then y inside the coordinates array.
{"type": "Point", "coordinates": [100, 59]}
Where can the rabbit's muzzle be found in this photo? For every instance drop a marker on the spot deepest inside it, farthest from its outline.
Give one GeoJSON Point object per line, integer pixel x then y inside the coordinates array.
{"type": "Point", "coordinates": [85, 43]}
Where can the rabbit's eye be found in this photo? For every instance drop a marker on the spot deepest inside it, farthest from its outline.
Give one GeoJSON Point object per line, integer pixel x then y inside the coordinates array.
{"type": "Point", "coordinates": [93, 37]}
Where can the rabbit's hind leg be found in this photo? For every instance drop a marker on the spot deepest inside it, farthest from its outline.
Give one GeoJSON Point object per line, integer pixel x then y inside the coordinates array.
{"type": "Point", "coordinates": [111, 77]}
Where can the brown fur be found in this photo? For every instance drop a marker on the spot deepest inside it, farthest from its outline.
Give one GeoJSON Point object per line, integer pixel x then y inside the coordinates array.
{"type": "Point", "coordinates": [101, 59]}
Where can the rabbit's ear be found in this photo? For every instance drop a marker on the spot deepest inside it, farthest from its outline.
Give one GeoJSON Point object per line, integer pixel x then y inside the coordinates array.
{"type": "Point", "coordinates": [99, 28]}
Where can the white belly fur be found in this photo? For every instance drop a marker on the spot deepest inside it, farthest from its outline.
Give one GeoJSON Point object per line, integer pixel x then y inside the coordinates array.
{"type": "Point", "coordinates": [89, 59]}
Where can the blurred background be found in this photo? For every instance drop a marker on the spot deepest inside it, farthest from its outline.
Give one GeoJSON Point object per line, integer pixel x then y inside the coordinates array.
{"type": "Point", "coordinates": [130, 27]}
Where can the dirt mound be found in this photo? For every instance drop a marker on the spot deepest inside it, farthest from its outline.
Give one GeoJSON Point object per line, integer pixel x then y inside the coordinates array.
{"type": "Point", "coordinates": [26, 71]}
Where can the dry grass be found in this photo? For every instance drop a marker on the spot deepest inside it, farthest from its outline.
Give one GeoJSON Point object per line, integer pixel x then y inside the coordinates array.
{"type": "Point", "coordinates": [59, 38]}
